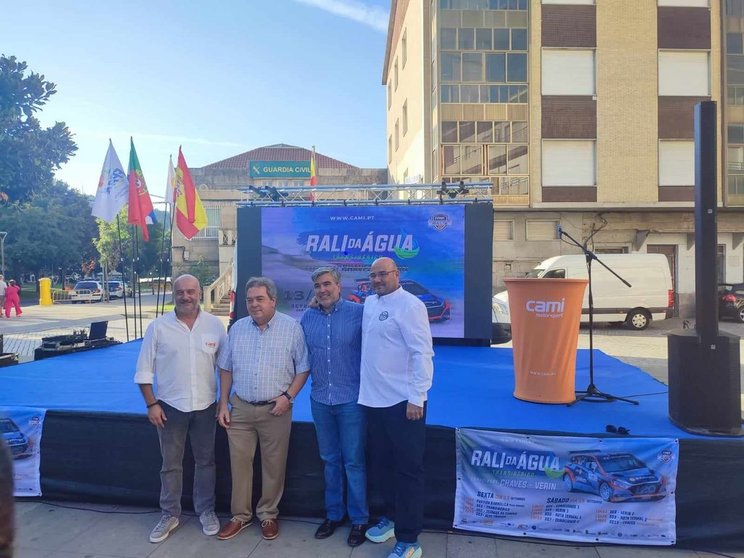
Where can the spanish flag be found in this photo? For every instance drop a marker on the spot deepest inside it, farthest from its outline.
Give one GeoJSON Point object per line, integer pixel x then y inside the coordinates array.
{"type": "Point", "coordinates": [190, 214]}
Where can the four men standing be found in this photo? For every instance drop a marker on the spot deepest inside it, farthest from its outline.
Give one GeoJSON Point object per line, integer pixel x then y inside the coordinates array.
{"type": "Point", "coordinates": [368, 363]}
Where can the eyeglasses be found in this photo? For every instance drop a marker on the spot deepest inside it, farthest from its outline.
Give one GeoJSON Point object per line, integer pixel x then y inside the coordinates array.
{"type": "Point", "coordinates": [381, 274]}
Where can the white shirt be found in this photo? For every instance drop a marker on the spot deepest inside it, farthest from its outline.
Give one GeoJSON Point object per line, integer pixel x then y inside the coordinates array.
{"type": "Point", "coordinates": [396, 350]}
{"type": "Point", "coordinates": [3, 286]}
{"type": "Point", "coordinates": [180, 362]}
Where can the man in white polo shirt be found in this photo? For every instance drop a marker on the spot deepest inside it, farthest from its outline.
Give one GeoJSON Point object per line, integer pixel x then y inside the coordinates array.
{"type": "Point", "coordinates": [179, 354]}
{"type": "Point", "coordinates": [396, 374]}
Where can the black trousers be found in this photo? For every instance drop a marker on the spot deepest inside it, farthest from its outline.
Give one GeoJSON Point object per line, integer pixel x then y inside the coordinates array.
{"type": "Point", "coordinates": [396, 449]}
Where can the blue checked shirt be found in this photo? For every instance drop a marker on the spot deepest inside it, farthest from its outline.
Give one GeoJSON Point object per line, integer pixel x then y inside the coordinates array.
{"type": "Point", "coordinates": [264, 363]}
{"type": "Point", "coordinates": [334, 341]}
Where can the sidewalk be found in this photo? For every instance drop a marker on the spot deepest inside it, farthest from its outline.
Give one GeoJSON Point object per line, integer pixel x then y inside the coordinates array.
{"type": "Point", "coordinates": [69, 530]}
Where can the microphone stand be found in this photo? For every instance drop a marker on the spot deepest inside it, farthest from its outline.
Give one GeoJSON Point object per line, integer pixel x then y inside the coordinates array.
{"type": "Point", "coordinates": [591, 394]}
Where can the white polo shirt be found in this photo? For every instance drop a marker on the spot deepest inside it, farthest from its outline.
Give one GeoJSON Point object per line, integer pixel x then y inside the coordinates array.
{"type": "Point", "coordinates": [180, 362]}
{"type": "Point", "coordinates": [396, 350]}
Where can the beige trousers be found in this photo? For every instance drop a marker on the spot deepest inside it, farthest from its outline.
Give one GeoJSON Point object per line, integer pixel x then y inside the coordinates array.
{"type": "Point", "coordinates": [251, 425]}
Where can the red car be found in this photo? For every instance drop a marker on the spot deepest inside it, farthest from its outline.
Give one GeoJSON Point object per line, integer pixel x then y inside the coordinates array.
{"type": "Point", "coordinates": [731, 301]}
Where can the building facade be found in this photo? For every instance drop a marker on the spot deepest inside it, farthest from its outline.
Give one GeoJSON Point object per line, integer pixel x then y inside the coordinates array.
{"type": "Point", "coordinates": [219, 185]}
{"type": "Point", "coordinates": [581, 114]}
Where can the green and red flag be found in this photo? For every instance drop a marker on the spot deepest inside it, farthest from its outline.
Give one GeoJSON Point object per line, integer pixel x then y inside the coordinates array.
{"type": "Point", "coordinates": [141, 212]}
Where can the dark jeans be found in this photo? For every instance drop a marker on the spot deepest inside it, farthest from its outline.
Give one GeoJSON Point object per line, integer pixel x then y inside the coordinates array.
{"type": "Point", "coordinates": [396, 450]}
{"type": "Point", "coordinates": [200, 427]}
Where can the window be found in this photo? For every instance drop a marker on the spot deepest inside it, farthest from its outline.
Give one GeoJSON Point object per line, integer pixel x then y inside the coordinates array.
{"type": "Point", "coordinates": [448, 38]}
{"type": "Point", "coordinates": [451, 157]}
{"type": "Point", "coordinates": [721, 263]}
{"type": "Point", "coordinates": [518, 163]}
{"type": "Point", "coordinates": [519, 39]}
{"type": "Point", "coordinates": [405, 117]}
{"type": "Point", "coordinates": [503, 230]}
{"type": "Point", "coordinates": [390, 94]}
{"type": "Point", "coordinates": [390, 148]}
{"type": "Point", "coordinates": [397, 134]}
{"type": "Point", "coordinates": [404, 48]}
{"type": "Point", "coordinates": [214, 222]}
{"type": "Point", "coordinates": [496, 67]}
{"type": "Point", "coordinates": [472, 67]}
{"type": "Point", "coordinates": [684, 73]}
{"type": "Point", "coordinates": [501, 132]}
{"type": "Point", "coordinates": [472, 160]}
{"type": "Point", "coordinates": [500, 39]}
{"type": "Point", "coordinates": [520, 132]}
{"type": "Point", "coordinates": [496, 159]}
{"type": "Point", "coordinates": [483, 39]}
{"type": "Point", "coordinates": [466, 39]}
{"type": "Point", "coordinates": [686, 3]}
{"type": "Point", "coordinates": [588, 2]}
{"type": "Point", "coordinates": [568, 163]}
{"type": "Point", "coordinates": [395, 75]}
{"type": "Point", "coordinates": [450, 68]}
{"type": "Point", "coordinates": [449, 132]}
{"type": "Point", "coordinates": [516, 67]}
{"type": "Point", "coordinates": [484, 131]}
{"type": "Point", "coordinates": [540, 229]}
{"type": "Point", "coordinates": [467, 132]}
{"type": "Point", "coordinates": [567, 72]}
{"type": "Point", "coordinates": [676, 163]}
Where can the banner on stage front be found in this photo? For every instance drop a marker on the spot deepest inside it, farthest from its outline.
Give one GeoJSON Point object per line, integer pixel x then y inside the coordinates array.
{"type": "Point", "coordinates": [598, 490]}
{"type": "Point", "coordinates": [21, 429]}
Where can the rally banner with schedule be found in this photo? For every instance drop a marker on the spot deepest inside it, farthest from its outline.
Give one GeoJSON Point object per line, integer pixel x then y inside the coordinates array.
{"type": "Point", "coordinates": [21, 430]}
{"type": "Point", "coordinates": [607, 490]}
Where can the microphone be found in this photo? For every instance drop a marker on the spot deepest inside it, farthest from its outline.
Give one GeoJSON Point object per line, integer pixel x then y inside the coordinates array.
{"type": "Point", "coordinates": [559, 230]}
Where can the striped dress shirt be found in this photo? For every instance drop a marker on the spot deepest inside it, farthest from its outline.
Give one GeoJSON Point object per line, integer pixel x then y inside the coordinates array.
{"type": "Point", "coordinates": [264, 363]}
{"type": "Point", "coordinates": [334, 342]}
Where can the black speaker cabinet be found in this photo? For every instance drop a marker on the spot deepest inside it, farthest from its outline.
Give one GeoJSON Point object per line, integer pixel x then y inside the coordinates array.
{"type": "Point", "coordinates": [705, 383]}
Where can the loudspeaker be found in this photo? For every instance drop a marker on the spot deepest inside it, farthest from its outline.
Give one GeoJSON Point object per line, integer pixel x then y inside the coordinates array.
{"type": "Point", "coordinates": [704, 383]}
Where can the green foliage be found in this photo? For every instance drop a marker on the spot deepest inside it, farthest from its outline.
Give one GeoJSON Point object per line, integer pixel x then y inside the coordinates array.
{"type": "Point", "coordinates": [29, 154]}
{"type": "Point", "coordinates": [52, 231]}
{"type": "Point", "coordinates": [202, 272]}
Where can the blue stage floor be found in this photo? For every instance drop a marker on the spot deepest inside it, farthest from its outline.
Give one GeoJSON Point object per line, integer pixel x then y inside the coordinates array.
{"type": "Point", "coordinates": [472, 388]}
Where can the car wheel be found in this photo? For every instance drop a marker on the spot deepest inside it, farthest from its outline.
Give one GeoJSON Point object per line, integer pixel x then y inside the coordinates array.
{"type": "Point", "coordinates": [740, 315]}
{"type": "Point", "coordinates": [605, 492]}
{"type": "Point", "coordinates": [568, 484]}
{"type": "Point", "coordinates": [638, 319]}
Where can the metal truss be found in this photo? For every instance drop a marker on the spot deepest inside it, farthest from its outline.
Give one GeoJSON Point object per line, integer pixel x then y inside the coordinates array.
{"type": "Point", "coordinates": [368, 194]}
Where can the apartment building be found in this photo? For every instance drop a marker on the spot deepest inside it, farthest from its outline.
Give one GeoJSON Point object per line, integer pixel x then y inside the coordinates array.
{"type": "Point", "coordinates": [580, 112]}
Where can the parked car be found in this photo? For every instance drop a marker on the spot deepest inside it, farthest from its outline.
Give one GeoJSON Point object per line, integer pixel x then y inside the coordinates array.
{"type": "Point", "coordinates": [115, 289]}
{"type": "Point", "coordinates": [87, 291]}
{"type": "Point", "coordinates": [437, 308]}
{"type": "Point", "coordinates": [17, 441]}
{"type": "Point", "coordinates": [616, 477]}
{"type": "Point", "coordinates": [731, 301]}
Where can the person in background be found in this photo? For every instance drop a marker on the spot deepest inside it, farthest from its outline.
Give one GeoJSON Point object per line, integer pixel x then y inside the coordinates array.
{"type": "Point", "coordinates": [12, 298]}
{"type": "Point", "coordinates": [333, 331]}
{"type": "Point", "coordinates": [396, 375]}
{"type": "Point", "coordinates": [3, 286]}
{"type": "Point", "coordinates": [265, 363]}
{"type": "Point", "coordinates": [179, 354]}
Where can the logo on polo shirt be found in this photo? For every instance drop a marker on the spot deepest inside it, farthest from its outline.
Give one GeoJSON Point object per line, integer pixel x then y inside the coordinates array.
{"type": "Point", "coordinates": [384, 316]}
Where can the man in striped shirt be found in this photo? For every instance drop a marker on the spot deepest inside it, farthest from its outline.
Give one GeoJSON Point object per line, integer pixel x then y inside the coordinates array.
{"type": "Point", "coordinates": [265, 366]}
{"type": "Point", "coordinates": [333, 331]}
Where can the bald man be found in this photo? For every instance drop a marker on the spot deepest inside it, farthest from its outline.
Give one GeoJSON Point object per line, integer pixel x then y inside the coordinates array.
{"type": "Point", "coordinates": [179, 355]}
{"type": "Point", "coordinates": [396, 375]}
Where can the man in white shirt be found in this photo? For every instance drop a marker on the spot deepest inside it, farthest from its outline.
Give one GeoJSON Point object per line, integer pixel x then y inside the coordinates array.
{"type": "Point", "coordinates": [396, 374]}
{"type": "Point", "coordinates": [179, 355]}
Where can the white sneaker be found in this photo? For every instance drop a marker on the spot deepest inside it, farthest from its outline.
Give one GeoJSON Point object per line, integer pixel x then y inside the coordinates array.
{"type": "Point", "coordinates": [210, 523]}
{"type": "Point", "coordinates": [163, 529]}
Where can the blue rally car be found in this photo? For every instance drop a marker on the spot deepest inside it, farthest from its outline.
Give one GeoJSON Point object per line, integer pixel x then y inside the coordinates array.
{"type": "Point", "coordinates": [437, 308]}
{"type": "Point", "coordinates": [616, 477]}
{"type": "Point", "coordinates": [17, 441]}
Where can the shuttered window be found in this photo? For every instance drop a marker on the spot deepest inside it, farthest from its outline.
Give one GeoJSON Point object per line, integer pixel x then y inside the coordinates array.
{"type": "Point", "coordinates": [542, 229]}
{"type": "Point", "coordinates": [684, 73]}
{"type": "Point", "coordinates": [568, 72]}
{"type": "Point", "coordinates": [568, 163]}
{"type": "Point", "coordinates": [503, 230]}
{"type": "Point", "coordinates": [676, 163]}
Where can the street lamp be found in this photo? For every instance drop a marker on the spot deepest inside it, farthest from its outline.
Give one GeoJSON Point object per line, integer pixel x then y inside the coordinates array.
{"type": "Point", "coordinates": [3, 234]}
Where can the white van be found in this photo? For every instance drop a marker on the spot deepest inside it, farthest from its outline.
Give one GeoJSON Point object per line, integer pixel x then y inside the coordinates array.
{"type": "Point", "coordinates": [648, 298]}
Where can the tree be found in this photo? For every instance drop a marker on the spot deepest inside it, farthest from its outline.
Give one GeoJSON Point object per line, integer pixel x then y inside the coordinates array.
{"type": "Point", "coordinates": [29, 154]}
{"type": "Point", "coordinates": [52, 231]}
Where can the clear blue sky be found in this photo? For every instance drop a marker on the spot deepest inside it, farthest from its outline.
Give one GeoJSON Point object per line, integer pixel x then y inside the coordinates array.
{"type": "Point", "coordinates": [219, 78]}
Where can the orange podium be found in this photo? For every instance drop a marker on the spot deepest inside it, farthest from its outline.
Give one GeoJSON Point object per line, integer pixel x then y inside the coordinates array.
{"type": "Point", "coordinates": [545, 316]}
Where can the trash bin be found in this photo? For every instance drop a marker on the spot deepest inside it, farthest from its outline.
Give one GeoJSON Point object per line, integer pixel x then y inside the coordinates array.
{"type": "Point", "coordinates": [45, 291]}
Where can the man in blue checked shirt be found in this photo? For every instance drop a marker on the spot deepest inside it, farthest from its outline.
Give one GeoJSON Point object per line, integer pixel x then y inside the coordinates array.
{"type": "Point", "coordinates": [333, 331]}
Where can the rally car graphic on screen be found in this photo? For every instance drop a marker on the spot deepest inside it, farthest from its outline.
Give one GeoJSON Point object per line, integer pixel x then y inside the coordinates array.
{"type": "Point", "coordinates": [437, 308]}
{"type": "Point", "coordinates": [616, 477]}
{"type": "Point", "coordinates": [19, 444]}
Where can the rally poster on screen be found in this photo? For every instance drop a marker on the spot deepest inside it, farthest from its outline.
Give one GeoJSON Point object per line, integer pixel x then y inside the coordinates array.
{"type": "Point", "coordinates": [426, 242]}
{"type": "Point", "coordinates": [595, 490]}
{"type": "Point", "coordinates": [21, 430]}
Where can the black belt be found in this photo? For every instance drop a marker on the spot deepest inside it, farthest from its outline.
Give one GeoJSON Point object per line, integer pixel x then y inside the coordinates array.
{"type": "Point", "coordinates": [260, 403]}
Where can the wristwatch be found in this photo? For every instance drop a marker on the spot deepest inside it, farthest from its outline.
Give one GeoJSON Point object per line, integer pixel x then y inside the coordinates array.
{"type": "Point", "coordinates": [289, 397]}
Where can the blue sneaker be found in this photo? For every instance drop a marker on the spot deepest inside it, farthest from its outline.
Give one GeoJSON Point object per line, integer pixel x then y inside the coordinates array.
{"type": "Point", "coordinates": [406, 550]}
{"type": "Point", "coordinates": [384, 530]}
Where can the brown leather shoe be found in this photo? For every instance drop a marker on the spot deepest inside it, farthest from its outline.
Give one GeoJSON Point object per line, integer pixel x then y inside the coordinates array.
{"type": "Point", "coordinates": [269, 529]}
{"type": "Point", "coordinates": [232, 528]}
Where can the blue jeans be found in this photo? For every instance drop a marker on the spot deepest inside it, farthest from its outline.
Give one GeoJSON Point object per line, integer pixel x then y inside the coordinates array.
{"type": "Point", "coordinates": [341, 431]}
{"type": "Point", "coordinates": [200, 427]}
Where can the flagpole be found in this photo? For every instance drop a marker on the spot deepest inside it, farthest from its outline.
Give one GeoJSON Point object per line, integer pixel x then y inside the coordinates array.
{"type": "Point", "coordinates": [138, 301]}
{"type": "Point", "coordinates": [160, 268]}
{"type": "Point", "coordinates": [124, 282]}
{"type": "Point", "coordinates": [169, 259]}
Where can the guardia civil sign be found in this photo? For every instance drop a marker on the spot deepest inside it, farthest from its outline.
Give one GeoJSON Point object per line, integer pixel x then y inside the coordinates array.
{"type": "Point", "coordinates": [279, 169]}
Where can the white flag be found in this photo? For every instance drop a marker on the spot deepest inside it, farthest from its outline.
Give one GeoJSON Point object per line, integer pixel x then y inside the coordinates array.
{"type": "Point", "coordinates": [170, 187]}
{"type": "Point", "coordinates": [113, 188]}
